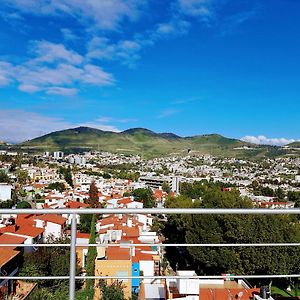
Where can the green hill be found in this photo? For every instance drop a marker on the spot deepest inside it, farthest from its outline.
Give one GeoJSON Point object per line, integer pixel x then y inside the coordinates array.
{"type": "Point", "coordinates": [294, 145]}
{"type": "Point", "coordinates": [139, 141]}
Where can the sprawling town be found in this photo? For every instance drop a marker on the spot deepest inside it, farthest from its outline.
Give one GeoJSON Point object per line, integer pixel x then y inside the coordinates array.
{"type": "Point", "coordinates": [131, 245]}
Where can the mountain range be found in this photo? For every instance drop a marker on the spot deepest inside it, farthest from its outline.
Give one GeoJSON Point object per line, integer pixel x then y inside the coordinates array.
{"type": "Point", "coordinates": [145, 142]}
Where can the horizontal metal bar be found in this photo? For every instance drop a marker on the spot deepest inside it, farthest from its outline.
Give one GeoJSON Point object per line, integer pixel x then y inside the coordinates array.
{"type": "Point", "coordinates": [157, 245]}
{"type": "Point", "coordinates": [201, 211]}
{"type": "Point", "coordinates": [149, 277]}
{"type": "Point", "coordinates": [34, 245]}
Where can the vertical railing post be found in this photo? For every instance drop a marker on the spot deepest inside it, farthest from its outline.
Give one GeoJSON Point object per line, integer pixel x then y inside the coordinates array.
{"type": "Point", "coordinates": [73, 258]}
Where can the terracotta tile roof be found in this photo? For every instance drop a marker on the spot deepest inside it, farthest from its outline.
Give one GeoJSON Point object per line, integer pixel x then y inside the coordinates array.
{"type": "Point", "coordinates": [117, 253]}
{"type": "Point", "coordinates": [11, 239]}
{"type": "Point", "coordinates": [142, 256]}
{"type": "Point", "coordinates": [10, 228]}
{"type": "Point", "coordinates": [75, 204]}
{"type": "Point", "coordinates": [30, 231]}
{"type": "Point", "coordinates": [39, 185]}
{"type": "Point", "coordinates": [124, 201]}
{"type": "Point", "coordinates": [131, 231]}
{"type": "Point", "coordinates": [57, 219]}
{"type": "Point", "coordinates": [82, 235]}
{"type": "Point", "coordinates": [6, 255]}
{"type": "Point", "coordinates": [109, 220]}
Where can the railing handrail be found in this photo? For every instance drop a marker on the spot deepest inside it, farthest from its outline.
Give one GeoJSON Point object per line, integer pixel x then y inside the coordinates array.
{"type": "Point", "coordinates": [112, 211]}
{"type": "Point", "coordinates": [155, 245]}
{"type": "Point", "coordinates": [67, 277]}
{"type": "Point", "coordinates": [200, 211]}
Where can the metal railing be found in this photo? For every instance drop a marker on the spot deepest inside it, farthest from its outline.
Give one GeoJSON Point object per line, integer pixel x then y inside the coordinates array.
{"type": "Point", "coordinates": [153, 211]}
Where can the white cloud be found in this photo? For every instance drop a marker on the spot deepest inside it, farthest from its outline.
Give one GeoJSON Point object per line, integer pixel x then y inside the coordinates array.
{"type": "Point", "coordinates": [29, 88]}
{"type": "Point", "coordinates": [104, 14]}
{"type": "Point", "coordinates": [95, 75]}
{"type": "Point", "coordinates": [49, 52]}
{"type": "Point", "coordinates": [55, 70]}
{"type": "Point", "coordinates": [174, 27]}
{"type": "Point", "coordinates": [167, 113]}
{"type": "Point", "coordinates": [103, 127]}
{"type": "Point", "coordinates": [104, 119]}
{"type": "Point", "coordinates": [196, 8]}
{"type": "Point", "coordinates": [68, 34]}
{"type": "Point", "coordinates": [110, 119]}
{"type": "Point", "coordinates": [263, 140]}
{"type": "Point", "coordinates": [126, 51]}
{"type": "Point", "coordinates": [5, 73]}
{"type": "Point", "coordinates": [56, 90]}
{"type": "Point", "coordinates": [20, 125]}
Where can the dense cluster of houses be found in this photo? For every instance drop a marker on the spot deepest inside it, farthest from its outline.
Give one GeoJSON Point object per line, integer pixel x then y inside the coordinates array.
{"type": "Point", "coordinates": [127, 244]}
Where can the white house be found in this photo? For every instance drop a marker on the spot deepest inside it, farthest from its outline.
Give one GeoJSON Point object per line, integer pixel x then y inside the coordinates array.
{"type": "Point", "coordinates": [53, 225]}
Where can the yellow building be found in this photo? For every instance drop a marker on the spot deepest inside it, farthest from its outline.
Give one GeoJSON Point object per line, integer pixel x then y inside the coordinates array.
{"type": "Point", "coordinates": [117, 263]}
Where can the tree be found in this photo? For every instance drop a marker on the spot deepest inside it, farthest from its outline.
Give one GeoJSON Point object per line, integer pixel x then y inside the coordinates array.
{"type": "Point", "coordinates": [294, 197]}
{"type": "Point", "coordinates": [67, 174]}
{"type": "Point", "coordinates": [93, 199]}
{"type": "Point", "coordinates": [85, 223]}
{"type": "Point", "coordinates": [49, 294]}
{"type": "Point", "coordinates": [231, 229]}
{"type": "Point", "coordinates": [145, 196]}
{"type": "Point", "coordinates": [7, 204]}
{"type": "Point", "coordinates": [166, 187]}
{"type": "Point", "coordinates": [92, 254]}
{"type": "Point", "coordinates": [113, 291]}
{"type": "Point", "coordinates": [48, 261]}
{"type": "Point", "coordinates": [22, 176]}
{"type": "Point", "coordinates": [59, 186]}
{"type": "Point", "coordinates": [23, 204]}
{"type": "Point", "coordinates": [4, 178]}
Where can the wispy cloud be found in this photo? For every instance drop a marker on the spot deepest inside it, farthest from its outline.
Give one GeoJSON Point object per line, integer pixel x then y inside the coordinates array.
{"type": "Point", "coordinates": [104, 14]}
{"type": "Point", "coordinates": [5, 72]}
{"type": "Point", "coordinates": [104, 119]}
{"type": "Point", "coordinates": [47, 52]}
{"type": "Point", "coordinates": [186, 100]}
{"type": "Point", "coordinates": [263, 140]}
{"type": "Point", "coordinates": [167, 113]}
{"type": "Point", "coordinates": [68, 34]}
{"type": "Point", "coordinates": [233, 22]}
{"type": "Point", "coordinates": [20, 125]}
{"type": "Point", "coordinates": [125, 51]}
{"type": "Point", "coordinates": [56, 90]}
{"type": "Point", "coordinates": [195, 8]}
{"type": "Point", "coordinates": [54, 70]}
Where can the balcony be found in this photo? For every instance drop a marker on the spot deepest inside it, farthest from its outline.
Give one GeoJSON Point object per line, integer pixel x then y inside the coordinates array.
{"type": "Point", "coordinates": [169, 280]}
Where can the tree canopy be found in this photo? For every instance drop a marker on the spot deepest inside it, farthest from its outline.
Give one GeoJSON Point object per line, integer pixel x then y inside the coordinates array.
{"type": "Point", "coordinates": [223, 229]}
{"type": "Point", "coordinates": [48, 261]}
{"type": "Point", "coordinates": [145, 196]}
{"type": "Point", "coordinates": [23, 204]}
{"type": "Point", "coordinates": [59, 186]}
{"type": "Point", "coordinates": [67, 174]}
{"type": "Point", "coordinates": [4, 178]}
{"type": "Point", "coordinates": [113, 291]}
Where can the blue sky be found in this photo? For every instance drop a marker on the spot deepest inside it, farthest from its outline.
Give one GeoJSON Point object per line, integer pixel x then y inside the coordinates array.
{"type": "Point", "coordinates": [183, 66]}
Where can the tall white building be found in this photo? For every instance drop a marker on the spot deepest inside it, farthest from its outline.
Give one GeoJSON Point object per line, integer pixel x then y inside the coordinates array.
{"type": "Point", "coordinates": [58, 155]}
{"type": "Point", "coordinates": [5, 191]}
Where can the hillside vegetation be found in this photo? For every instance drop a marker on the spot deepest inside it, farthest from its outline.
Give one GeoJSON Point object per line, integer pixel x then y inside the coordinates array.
{"type": "Point", "coordinates": [140, 141]}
